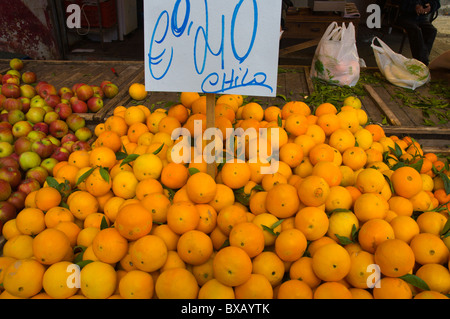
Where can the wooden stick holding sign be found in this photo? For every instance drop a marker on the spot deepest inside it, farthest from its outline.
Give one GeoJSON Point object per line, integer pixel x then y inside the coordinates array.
{"type": "Point", "coordinates": [211, 123]}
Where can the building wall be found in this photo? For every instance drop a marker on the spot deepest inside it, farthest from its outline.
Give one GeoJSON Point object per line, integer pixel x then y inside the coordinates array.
{"type": "Point", "coordinates": [26, 29]}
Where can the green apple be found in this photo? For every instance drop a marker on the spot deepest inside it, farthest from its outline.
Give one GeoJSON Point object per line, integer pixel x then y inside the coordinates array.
{"type": "Point", "coordinates": [28, 160]}
{"type": "Point", "coordinates": [6, 149]}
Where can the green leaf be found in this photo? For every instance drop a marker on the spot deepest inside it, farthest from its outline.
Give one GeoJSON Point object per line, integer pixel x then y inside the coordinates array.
{"type": "Point", "coordinates": [193, 171]}
{"type": "Point", "coordinates": [104, 224]}
{"type": "Point", "coordinates": [83, 177]}
{"type": "Point", "coordinates": [279, 121]}
{"type": "Point", "coordinates": [417, 165]}
{"type": "Point", "coordinates": [415, 281]}
{"type": "Point", "coordinates": [52, 182]}
{"type": "Point", "coordinates": [343, 240]}
{"type": "Point", "coordinates": [446, 181]}
{"type": "Point", "coordinates": [79, 256]}
{"type": "Point", "coordinates": [83, 263]}
{"type": "Point", "coordinates": [104, 174]}
{"type": "Point", "coordinates": [130, 158]}
{"type": "Point", "coordinates": [446, 230]}
{"type": "Point", "coordinates": [121, 155]}
{"type": "Point", "coordinates": [159, 149]}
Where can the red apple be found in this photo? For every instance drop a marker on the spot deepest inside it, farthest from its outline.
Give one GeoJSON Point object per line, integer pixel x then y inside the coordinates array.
{"type": "Point", "coordinates": [29, 185]}
{"type": "Point", "coordinates": [52, 100]}
{"type": "Point", "coordinates": [5, 190]}
{"type": "Point", "coordinates": [9, 161]}
{"type": "Point", "coordinates": [66, 96]}
{"type": "Point", "coordinates": [29, 77]}
{"type": "Point", "coordinates": [11, 79]}
{"type": "Point", "coordinates": [44, 148]}
{"type": "Point", "coordinates": [81, 146]}
{"type": "Point", "coordinates": [4, 117]}
{"type": "Point", "coordinates": [48, 164]}
{"type": "Point", "coordinates": [41, 127]}
{"type": "Point", "coordinates": [64, 90]}
{"type": "Point", "coordinates": [47, 89]}
{"type": "Point", "coordinates": [103, 83]}
{"type": "Point", "coordinates": [75, 122]}
{"type": "Point", "coordinates": [84, 92]}
{"type": "Point", "coordinates": [12, 104]}
{"type": "Point", "coordinates": [28, 160]}
{"type": "Point", "coordinates": [22, 145]}
{"type": "Point", "coordinates": [76, 86]}
{"type": "Point", "coordinates": [17, 198]}
{"type": "Point", "coordinates": [95, 104]}
{"type": "Point", "coordinates": [11, 90]}
{"type": "Point", "coordinates": [39, 84]}
{"type": "Point", "coordinates": [16, 64]}
{"type": "Point", "coordinates": [69, 137]}
{"type": "Point", "coordinates": [63, 110]}
{"type": "Point", "coordinates": [26, 103]}
{"type": "Point", "coordinates": [79, 106]}
{"type": "Point", "coordinates": [22, 128]}
{"type": "Point", "coordinates": [58, 128]}
{"type": "Point", "coordinates": [7, 211]}
{"type": "Point", "coordinates": [38, 173]}
{"type": "Point", "coordinates": [6, 134]}
{"type": "Point", "coordinates": [98, 91]}
{"type": "Point", "coordinates": [61, 154]}
{"type": "Point", "coordinates": [12, 175]}
{"type": "Point", "coordinates": [2, 99]}
{"type": "Point", "coordinates": [110, 90]}
{"type": "Point", "coordinates": [15, 116]}
{"type": "Point", "coordinates": [35, 115]}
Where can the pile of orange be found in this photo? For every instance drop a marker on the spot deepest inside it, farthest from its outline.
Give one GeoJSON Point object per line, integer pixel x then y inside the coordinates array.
{"type": "Point", "coordinates": [349, 213]}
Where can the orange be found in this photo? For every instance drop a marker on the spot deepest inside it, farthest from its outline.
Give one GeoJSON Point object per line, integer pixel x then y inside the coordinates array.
{"type": "Point", "coordinates": [47, 198]}
{"type": "Point", "coordinates": [294, 289]}
{"type": "Point", "coordinates": [400, 205]}
{"type": "Point", "coordinates": [291, 153]}
{"type": "Point", "coordinates": [180, 112]}
{"type": "Point", "coordinates": [79, 158]}
{"type": "Point", "coordinates": [373, 232]}
{"type": "Point", "coordinates": [98, 280]}
{"type": "Point", "coordinates": [329, 171]}
{"type": "Point", "coordinates": [182, 217]}
{"type": "Point", "coordinates": [55, 279]}
{"type": "Point", "coordinates": [296, 124]}
{"type": "Point", "coordinates": [173, 261]}
{"type": "Point", "coordinates": [358, 275]}
{"type": "Point", "coordinates": [257, 204]}
{"type": "Point", "coordinates": [394, 257]}
{"type": "Point", "coordinates": [194, 247]}
{"type": "Point", "coordinates": [270, 225]}
{"type": "Point", "coordinates": [429, 249]}
{"type": "Point", "coordinates": [302, 270]}
{"type": "Point", "coordinates": [9, 229]}
{"type": "Point", "coordinates": [158, 204]}
{"type": "Point", "coordinates": [98, 183]}
{"type": "Point", "coordinates": [430, 295]}
{"type": "Point", "coordinates": [203, 272]}
{"type": "Point", "coordinates": [149, 253]}
{"type": "Point", "coordinates": [230, 216]}
{"type": "Point", "coordinates": [50, 246]}
{"type": "Point", "coordinates": [354, 157]}
{"type": "Point", "coordinates": [137, 91]}
{"type": "Point", "coordinates": [271, 113]}
{"type": "Point", "coordinates": [187, 98]}
{"type": "Point", "coordinates": [312, 222]}
{"type": "Point", "coordinates": [232, 266]}
{"type": "Point", "coordinates": [392, 288]}
{"type": "Point", "coordinates": [174, 175]}
{"type": "Point", "coordinates": [405, 228]}
{"type": "Point", "coordinates": [102, 156]}
{"type": "Point", "coordinates": [369, 206]}
{"type": "Point", "coordinates": [249, 237]}
{"type": "Point", "coordinates": [406, 181]}
{"type": "Point", "coordinates": [370, 180]}
{"type": "Point", "coordinates": [86, 235]}
{"type": "Point", "coordinates": [342, 139]}
{"type": "Point", "coordinates": [116, 124]}
{"type": "Point", "coordinates": [109, 139]}
{"type": "Point", "coordinates": [23, 278]}
{"type": "Point", "coordinates": [135, 131]}
{"type": "Point", "coordinates": [67, 173]}
{"type": "Point", "coordinates": [201, 188]}
{"type": "Point", "coordinates": [332, 290]}
{"type": "Point", "coordinates": [208, 218]}
{"type": "Point", "coordinates": [177, 283]}
{"type": "Point", "coordinates": [268, 263]}
{"type": "Point", "coordinates": [295, 107]}
{"type": "Point", "coordinates": [147, 165]}
{"type": "Point", "coordinates": [235, 174]}
{"type": "Point", "coordinates": [19, 247]}
{"type": "Point", "coordinates": [95, 220]}
{"type": "Point", "coordinates": [71, 229]}
{"type": "Point", "coordinates": [83, 204]}
{"type": "Point", "coordinates": [148, 186]}
{"type": "Point", "coordinates": [30, 221]}
{"type": "Point", "coordinates": [99, 128]}
{"type": "Point", "coordinates": [290, 244]}
{"type": "Point", "coordinates": [325, 108]}
{"type": "Point", "coordinates": [133, 115]}
{"type": "Point", "coordinates": [331, 262]}
{"type": "Point", "coordinates": [253, 110]}
{"type": "Point", "coordinates": [436, 276]}
{"type": "Point", "coordinates": [270, 180]}
{"type": "Point", "coordinates": [133, 221]}
{"type": "Point", "coordinates": [224, 197]}
{"type": "Point", "coordinates": [168, 124]}
{"type": "Point", "coordinates": [136, 284]}
{"type": "Point", "coordinates": [256, 287]}
{"type": "Point", "coordinates": [282, 200]}
{"type": "Point", "coordinates": [431, 222]}
{"type": "Point", "coordinates": [169, 237]}
{"type": "Point", "coordinates": [339, 198]}
{"type": "Point", "coordinates": [321, 152]}
{"type": "Point", "coordinates": [329, 123]}
{"type": "Point", "coordinates": [376, 131]}
{"type": "Point", "coordinates": [109, 246]}
{"type": "Point", "coordinates": [313, 191]}
{"type": "Point", "coordinates": [199, 105]}
{"type": "Point", "coordinates": [213, 289]}
{"type": "Point", "coordinates": [153, 120]}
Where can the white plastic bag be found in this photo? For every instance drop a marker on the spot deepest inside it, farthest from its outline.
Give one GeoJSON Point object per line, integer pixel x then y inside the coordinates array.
{"type": "Point", "coordinates": [336, 59]}
{"type": "Point", "coordinates": [398, 69]}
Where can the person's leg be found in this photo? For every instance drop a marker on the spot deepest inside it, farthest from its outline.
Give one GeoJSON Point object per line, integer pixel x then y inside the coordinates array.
{"type": "Point", "coordinates": [417, 45]}
{"type": "Point", "coordinates": [429, 33]}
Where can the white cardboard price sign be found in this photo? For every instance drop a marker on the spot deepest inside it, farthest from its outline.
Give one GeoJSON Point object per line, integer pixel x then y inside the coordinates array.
{"type": "Point", "coordinates": [212, 46]}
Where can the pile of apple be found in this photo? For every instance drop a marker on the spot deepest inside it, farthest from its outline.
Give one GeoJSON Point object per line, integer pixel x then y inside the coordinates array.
{"type": "Point", "coordinates": [40, 126]}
